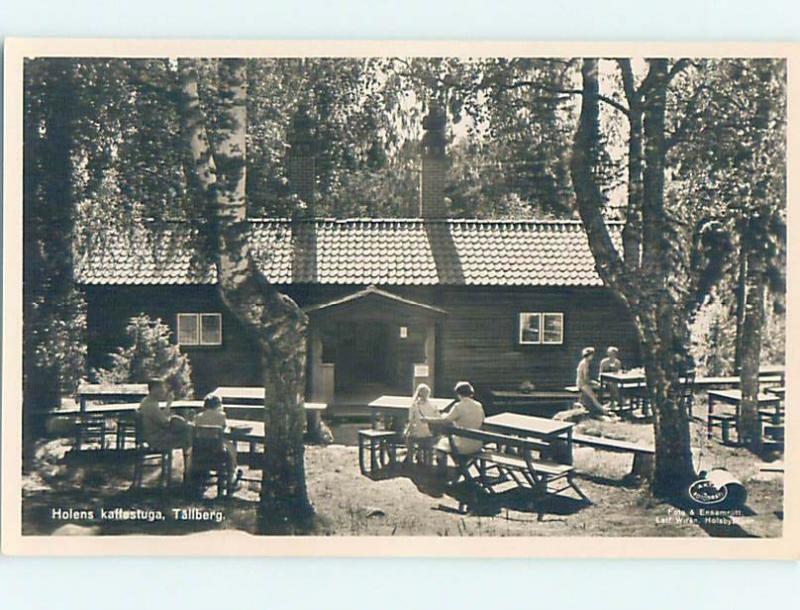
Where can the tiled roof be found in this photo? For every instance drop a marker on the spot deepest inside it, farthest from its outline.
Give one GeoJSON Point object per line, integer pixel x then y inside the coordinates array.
{"type": "Point", "coordinates": [362, 251]}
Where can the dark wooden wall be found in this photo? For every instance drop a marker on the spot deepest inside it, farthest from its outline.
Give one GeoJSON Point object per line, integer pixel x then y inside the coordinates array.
{"type": "Point", "coordinates": [479, 338]}
{"type": "Point", "coordinates": [476, 341]}
{"type": "Point", "coordinates": [235, 362]}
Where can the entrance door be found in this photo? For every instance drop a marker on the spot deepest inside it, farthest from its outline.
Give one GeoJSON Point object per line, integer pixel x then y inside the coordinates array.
{"type": "Point", "coordinates": [363, 355]}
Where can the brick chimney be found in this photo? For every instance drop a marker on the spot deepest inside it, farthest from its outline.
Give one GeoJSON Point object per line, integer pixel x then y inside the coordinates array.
{"type": "Point", "coordinates": [434, 165]}
{"type": "Point", "coordinates": [301, 159]}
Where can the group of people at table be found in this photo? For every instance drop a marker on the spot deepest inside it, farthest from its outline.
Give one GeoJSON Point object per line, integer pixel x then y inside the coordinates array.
{"type": "Point", "coordinates": [166, 431]}
{"type": "Point", "coordinates": [467, 412]}
{"type": "Point", "coordinates": [588, 386]}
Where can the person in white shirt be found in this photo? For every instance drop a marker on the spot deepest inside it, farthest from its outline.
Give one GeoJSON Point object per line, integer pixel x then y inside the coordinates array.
{"type": "Point", "coordinates": [466, 413]}
{"type": "Point", "coordinates": [586, 385]}
{"type": "Point", "coordinates": [213, 415]}
{"type": "Point", "coordinates": [612, 364]}
{"type": "Point", "coordinates": [160, 429]}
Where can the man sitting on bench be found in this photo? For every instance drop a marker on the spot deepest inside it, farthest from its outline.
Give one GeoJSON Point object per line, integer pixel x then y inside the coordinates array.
{"type": "Point", "coordinates": [160, 429]}
{"type": "Point", "coordinates": [466, 413]}
{"type": "Point", "coordinates": [586, 385]}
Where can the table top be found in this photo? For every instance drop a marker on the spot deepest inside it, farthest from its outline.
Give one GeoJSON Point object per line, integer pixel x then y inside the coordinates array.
{"type": "Point", "coordinates": [101, 390]}
{"type": "Point", "coordinates": [528, 424]}
{"type": "Point", "coordinates": [253, 396]}
{"type": "Point", "coordinates": [123, 407]}
{"type": "Point", "coordinates": [778, 391]}
{"type": "Point", "coordinates": [772, 369]}
{"type": "Point", "coordinates": [244, 393]}
{"type": "Point", "coordinates": [389, 402]}
{"type": "Point", "coordinates": [625, 376]}
{"type": "Point", "coordinates": [248, 430]}
{"type": "Point", "coordinates": [736, 396]}
{"type": "Point", "coordinates": [533, 394]}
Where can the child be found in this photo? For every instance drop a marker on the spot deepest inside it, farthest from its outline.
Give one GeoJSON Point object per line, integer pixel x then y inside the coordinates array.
{"type": "Point", "coordinates": [213, 415]}
{"type": "Point", "coordinates": [418, 433]}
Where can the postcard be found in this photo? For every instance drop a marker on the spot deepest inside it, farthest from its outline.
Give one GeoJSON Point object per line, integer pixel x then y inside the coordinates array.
{"type": "Point", "coordinates": [399, 298]}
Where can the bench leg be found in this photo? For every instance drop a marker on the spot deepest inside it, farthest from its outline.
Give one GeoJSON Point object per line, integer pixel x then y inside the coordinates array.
{"type": "Point", "coordinates": [578, 490]}
{"type": "Point", "coordinates": [361, 458]}
{"type": "Point", "coordinates": [726, 432]}
{"type": "Point", "coordinates": [642, 466]}
{"type": "Point", "coordinates": [373, 455]}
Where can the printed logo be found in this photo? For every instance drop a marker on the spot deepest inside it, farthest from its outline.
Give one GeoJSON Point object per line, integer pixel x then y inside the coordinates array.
{"type": "Point", "coordinates": [703, 491]}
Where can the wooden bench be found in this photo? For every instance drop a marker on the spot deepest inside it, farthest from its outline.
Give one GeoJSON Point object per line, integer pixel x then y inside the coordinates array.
{"type": "Point", "coordinates": [506, 459]}
{"type": "Point", "coordinates": [643, 455]}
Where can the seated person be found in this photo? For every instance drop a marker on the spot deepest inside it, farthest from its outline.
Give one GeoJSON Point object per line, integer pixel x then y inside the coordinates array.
{"type": "Point", "coordinates": [586, 385]}
{"type": "Point", "coordinates": [611, 364]}
{"type": "Point", "coordinates": [213, 415]}
{"type": "Point", "coordinates": [466, 413]}
{"type": "Point", "coordinates": [161, 430]}
{"type": "Point", "coordinates": [418, 432]}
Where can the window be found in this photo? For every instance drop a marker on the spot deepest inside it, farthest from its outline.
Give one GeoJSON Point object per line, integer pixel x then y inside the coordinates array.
{"type": "Point", "coordinates": [541, 328]}
{"type": "Point", "coordinates": [200, 329]}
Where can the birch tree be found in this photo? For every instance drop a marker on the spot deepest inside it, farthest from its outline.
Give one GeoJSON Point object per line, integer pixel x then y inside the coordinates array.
{"type": "Point", "coordinates": [276, 322]}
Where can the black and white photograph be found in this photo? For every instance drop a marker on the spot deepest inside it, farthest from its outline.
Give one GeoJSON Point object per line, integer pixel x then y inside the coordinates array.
{"type": "Point", "coordinates": [397, 294]}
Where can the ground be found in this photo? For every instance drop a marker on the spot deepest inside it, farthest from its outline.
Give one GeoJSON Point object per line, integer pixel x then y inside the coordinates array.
{"type": "Point", "coordinates": [348, 503]}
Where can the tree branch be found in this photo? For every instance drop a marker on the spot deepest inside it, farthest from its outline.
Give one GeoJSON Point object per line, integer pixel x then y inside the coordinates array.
{"type": "Point", "coordinates": [588, 195]}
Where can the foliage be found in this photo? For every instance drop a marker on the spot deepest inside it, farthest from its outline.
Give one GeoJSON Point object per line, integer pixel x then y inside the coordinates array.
{"type": "Point", "coordinates": [54, 315]}
{"type": "Point", "coordinates": [713, 334]}
{"type": "Point", "coordinates": [151, 353]}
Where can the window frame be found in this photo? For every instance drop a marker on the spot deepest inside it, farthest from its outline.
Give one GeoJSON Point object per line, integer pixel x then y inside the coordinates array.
{"type": "Point", "coordinates": [540, 315]}
{"type": "Point", "coordinates": [198, 317]}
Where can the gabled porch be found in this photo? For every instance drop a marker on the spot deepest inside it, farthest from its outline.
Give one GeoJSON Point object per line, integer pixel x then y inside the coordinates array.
{"type": "Point", "coordinates": [369, 343]}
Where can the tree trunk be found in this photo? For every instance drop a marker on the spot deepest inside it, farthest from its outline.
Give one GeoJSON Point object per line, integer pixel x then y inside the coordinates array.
{"type": "Point", "coordinates": [741, 292]}
{"type": "Point", "coordinates": [276, 323]}
{"type": "Point", "coordinates": [632, 232]}
{"type": "Point", "coordinates": [756, 252]}
{"type": "Point", "coordinates": [642, 285]}
{"type": "Point", "coordinates": [750, 349]}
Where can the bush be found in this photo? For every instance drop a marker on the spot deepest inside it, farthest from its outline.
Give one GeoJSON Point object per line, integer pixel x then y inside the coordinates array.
{"type": "Point", "coordinates": [151, 354]}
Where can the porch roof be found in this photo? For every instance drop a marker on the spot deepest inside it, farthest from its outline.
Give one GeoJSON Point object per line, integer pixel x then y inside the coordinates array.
{"type": "Point", "coordinates": [375, 295]}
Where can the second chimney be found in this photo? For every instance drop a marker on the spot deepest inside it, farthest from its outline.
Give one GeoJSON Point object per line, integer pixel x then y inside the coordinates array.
{"type": "Point", "coordinates": [434, 165]}
{"type": "Point", "coordinates": [302, 161]}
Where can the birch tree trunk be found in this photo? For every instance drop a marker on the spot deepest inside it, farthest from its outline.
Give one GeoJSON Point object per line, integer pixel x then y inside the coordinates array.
{"type": "Point", "coordinates": [750, 341]}
{"type": "Point", "coordinates": [755, 242]}
{"type": "Point", "coordinates": [642, 285]}
{"type": "Point", "coordinates": [274, 321]}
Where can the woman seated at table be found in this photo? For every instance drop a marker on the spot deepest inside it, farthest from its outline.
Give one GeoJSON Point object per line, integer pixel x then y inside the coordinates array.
{"type": "Point", "coordinates": [466, 413]}
{"type": "Point", "coordinates": [612, 364]}
{"type": "Point", "coordinates": [418, 433]}
{"type": "Point", "coordinates": [213, 415]}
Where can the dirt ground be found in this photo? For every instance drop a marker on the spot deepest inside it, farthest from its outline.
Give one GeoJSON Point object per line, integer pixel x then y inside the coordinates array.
{"type": "Point", "coordinates": [78, 494]}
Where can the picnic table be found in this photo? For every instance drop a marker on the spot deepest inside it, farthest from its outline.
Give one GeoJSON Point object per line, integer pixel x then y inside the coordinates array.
{"type": "Point", "coordinates": [243, 430]}
{"type": "Point", "coordinates": [768, 370]}
{"type": "Point", "coordinates": [118, 408]}
{"type": "Point", "coordinates": [251, 398]}
{"type": "Point", "coordinates": [779, 391]}
{"type": "Point", "coordinates": [396, 407]}
{"type": "Point", "coordinates": [629, 384]}
{"type": "Point", "coordinates": [734, 398]}
{"type": "Point", "coordinates": [551, 430]}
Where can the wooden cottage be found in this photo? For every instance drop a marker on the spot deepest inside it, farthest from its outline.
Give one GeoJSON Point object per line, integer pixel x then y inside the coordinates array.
{"type": "Point", "coordinates": [391, 302]}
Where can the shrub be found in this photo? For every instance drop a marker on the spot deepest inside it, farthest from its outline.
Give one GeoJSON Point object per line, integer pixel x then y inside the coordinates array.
{"type": "Point", "coordinates": [151, 354]}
